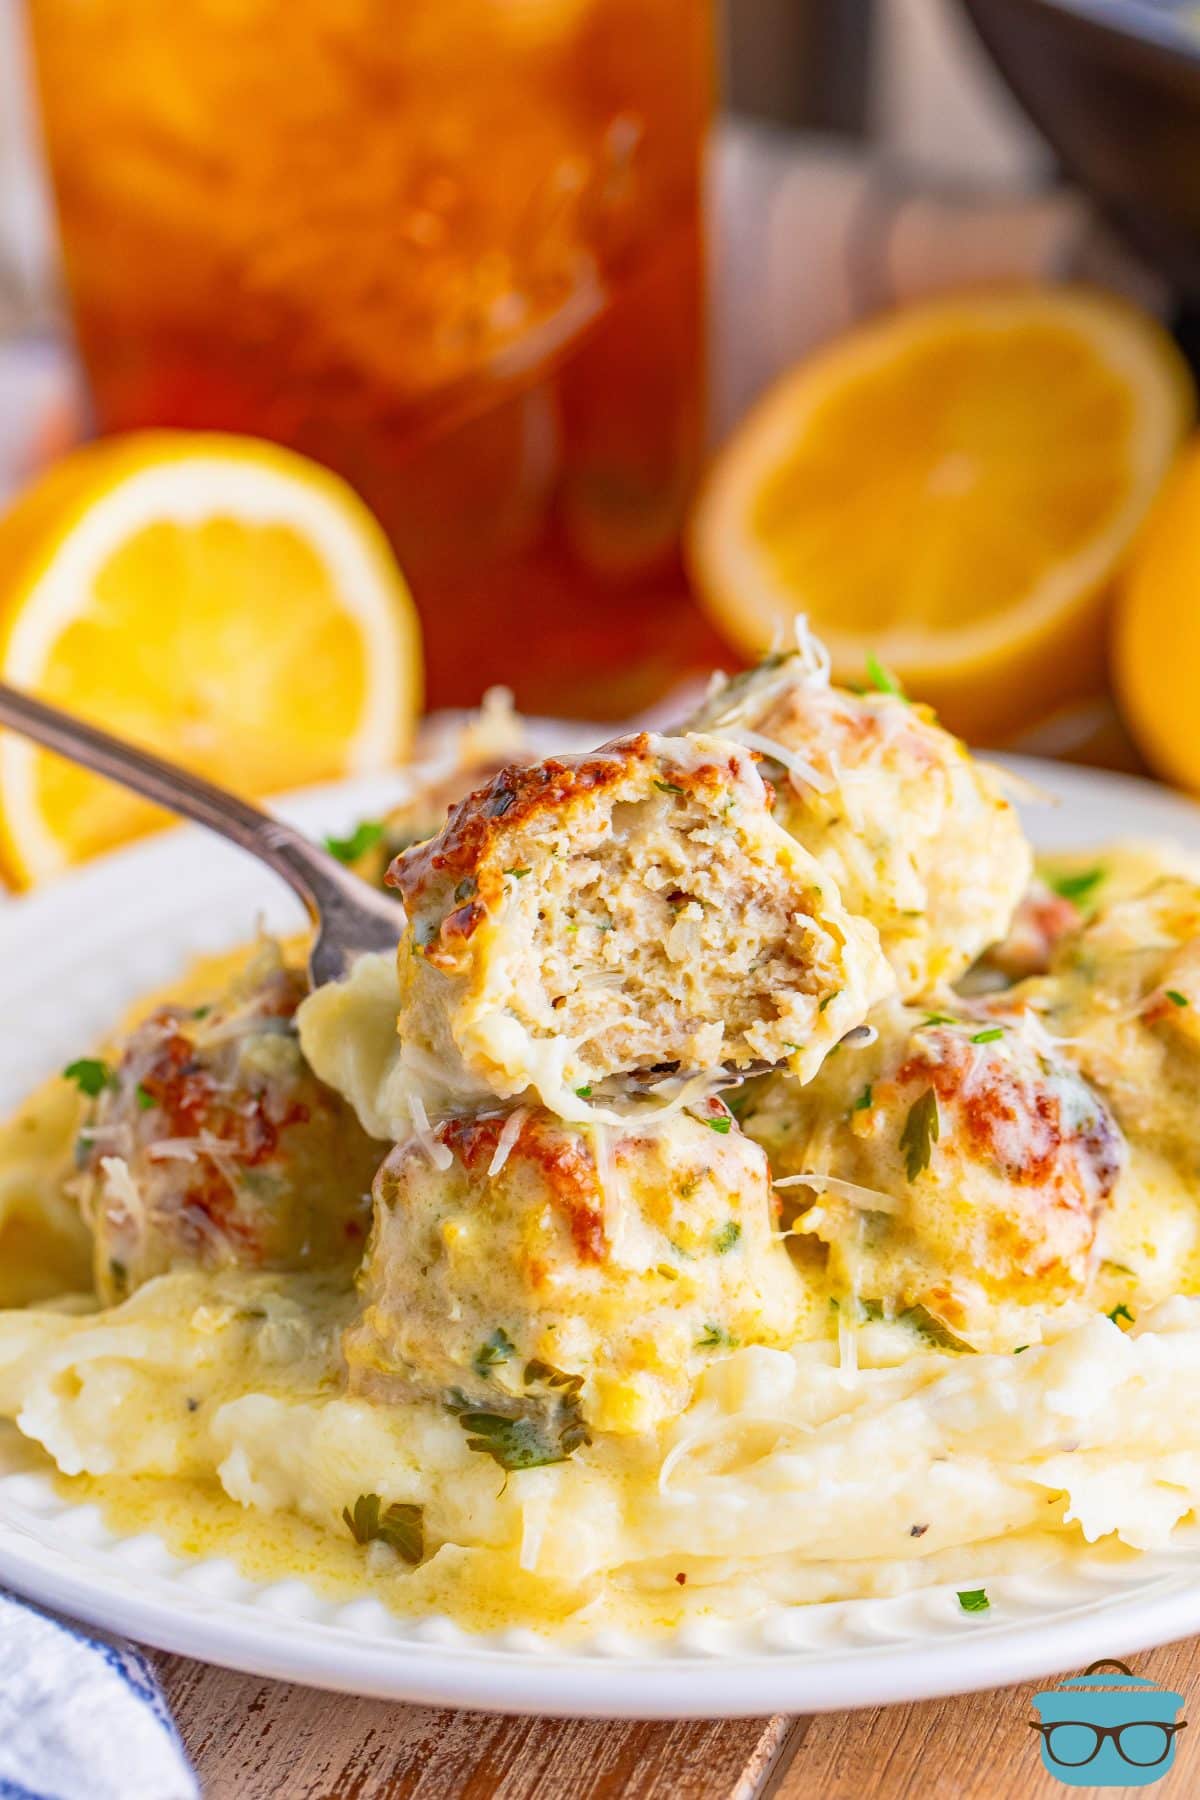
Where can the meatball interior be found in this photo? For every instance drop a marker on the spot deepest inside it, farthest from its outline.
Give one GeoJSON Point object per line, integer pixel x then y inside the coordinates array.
{"type": "Point", "coordinates": [593, 917]}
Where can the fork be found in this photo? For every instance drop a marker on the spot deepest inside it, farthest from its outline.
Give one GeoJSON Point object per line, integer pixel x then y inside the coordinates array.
{"type": "Point", "coordinates": [348, 915]}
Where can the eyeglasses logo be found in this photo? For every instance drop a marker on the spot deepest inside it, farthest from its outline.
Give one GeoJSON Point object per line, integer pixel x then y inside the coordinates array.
{"type": "Point", "coordinates": [1108, 1729]}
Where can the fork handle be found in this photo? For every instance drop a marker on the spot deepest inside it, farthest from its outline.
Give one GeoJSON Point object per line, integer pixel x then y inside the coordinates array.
{"type": "Point", "coordinates": [347, 912]}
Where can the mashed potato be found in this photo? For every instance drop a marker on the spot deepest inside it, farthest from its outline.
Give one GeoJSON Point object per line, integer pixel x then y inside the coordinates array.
{"type": "Point", "coordinates": [784, 1480]}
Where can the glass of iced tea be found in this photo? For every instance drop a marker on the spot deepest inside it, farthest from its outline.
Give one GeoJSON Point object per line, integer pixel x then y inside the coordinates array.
{"type": "Point", "coordinates": [451, 248]}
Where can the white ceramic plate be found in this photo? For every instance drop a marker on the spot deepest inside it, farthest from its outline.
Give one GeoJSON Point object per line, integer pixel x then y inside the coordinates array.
{"type": "Point", "coordinates": [94, 941]}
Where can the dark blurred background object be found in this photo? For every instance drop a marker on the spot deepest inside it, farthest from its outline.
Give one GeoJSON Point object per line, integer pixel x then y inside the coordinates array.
{"type": "Point", "coordinates": [801, 62]}
{"type": "Point", "coordinates": [1114, 85]}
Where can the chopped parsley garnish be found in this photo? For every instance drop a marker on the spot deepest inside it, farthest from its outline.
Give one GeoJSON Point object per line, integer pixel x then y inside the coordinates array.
{"type": "Point", "coordinates": [91, 1076]}
{"type": "Point", "coordinates": [922, 1129]}
{"type": "Point", "coordinates": [522, 1442]}
{"type": "Point", "coordinates": [882, 678]}
{"type": "Point", "coordinates": [827, 1001]}
{"type": "Point", "coordinates": [989, 1036]}
{"type": "Point", "coordinates": [401, 1527]}
{"type": "Point", "coordinates": [1176, 998]}
{"type": "Point", "coordinates": [669, 787]}
{"type": "Point", "coordinates": [714, 1338]}
{"type": "Point", "coordinates": [364, 837]}
{"type": "Point", "coordinates": [496, 1350]}
{"type": "Point", "coordinates": [721, 1124]}
{"type": "Point", "coordinates": [918, 1318]}
{"type": "Point", "coordinates": [584, 1092]}
{"type": "Point", "coordinates": [864, 1100]}
{"type": "Point", "coordinates": [145, 1098]}
{"type": "Point", "coordinates": [548, 1427]}
{"type": "Point", "coordinates": [937, 1019]}
{"type": "Point", "coordinates": [516, 873]}
{"type": "Point", "coordinates": [1020, 1349]}
{"type": "Point", "coordinates": [973, 1600]}
{"type": "Point", "coordinates": [1079, 885]}
{"type": "Point", "coordinates": [1121, 1312]}
{"type": "Point", "coordinates": [727, 1237]}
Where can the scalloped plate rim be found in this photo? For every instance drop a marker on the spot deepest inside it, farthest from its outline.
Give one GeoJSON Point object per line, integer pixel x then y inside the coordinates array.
{"type": "Point", "coordinates": [663, 1677]}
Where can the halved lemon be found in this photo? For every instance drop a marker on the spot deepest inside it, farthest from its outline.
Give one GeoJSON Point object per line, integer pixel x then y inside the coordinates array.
{"type": "Point", "coordinates": [219, 599]}
{"type": "Point", "coordinates": [1156, 635]}
{"type": "Point", "coordinates": [950, 489]}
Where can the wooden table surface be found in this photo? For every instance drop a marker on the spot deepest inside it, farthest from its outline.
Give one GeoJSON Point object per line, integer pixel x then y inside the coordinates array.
{"type": "Point", "coordinates": [265, 1740]}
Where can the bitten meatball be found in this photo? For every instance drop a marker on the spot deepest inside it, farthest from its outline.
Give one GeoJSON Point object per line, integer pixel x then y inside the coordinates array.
{"type": "Point", "coordinates": [591, 917]}
{"type": "Point", "coordinates": [955, 1164]}
{"type": "Point", "coordinates": [211, 1142]}
{"type": "Point", "coordinates": [917, 835]}
{"type": "Point", "coordinates": [1124, 994]}
{"type": "Point", "coordinates": [621, 1260]}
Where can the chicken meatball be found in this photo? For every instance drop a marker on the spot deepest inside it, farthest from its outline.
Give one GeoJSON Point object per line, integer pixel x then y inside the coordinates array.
{"type": "Point", "coordinates": [516, 1260]}
{"type": "Point", "coordinates": [211, 1142]}
{"type": "Point", "coordinates": [917, 835]}
{"type": "Point", "coordinates": [1124, 994]}
{"type": "Point", "coordinates": [953, 1165]}
{"type": "Point", "coordinates": [1042, 920]}
{"type": "Point", "coordinates": [591, 917]}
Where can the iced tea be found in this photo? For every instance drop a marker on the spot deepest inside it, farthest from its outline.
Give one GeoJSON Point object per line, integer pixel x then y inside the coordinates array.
{"type": "Point", "coordinates": [451, 248]}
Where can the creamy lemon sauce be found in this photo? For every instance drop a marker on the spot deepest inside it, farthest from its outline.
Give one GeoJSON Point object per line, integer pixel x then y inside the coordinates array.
{"type": "Point", "coordinates": [862, 1459]}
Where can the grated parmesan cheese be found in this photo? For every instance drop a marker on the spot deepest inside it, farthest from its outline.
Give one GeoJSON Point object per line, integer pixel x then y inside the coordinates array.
{"type": "Point", "coordinates": [868, 1198]}
{"type": "Point", "coordinates": [507, 1141]}
{"type": "Point", "coordinates": [439, 1154]}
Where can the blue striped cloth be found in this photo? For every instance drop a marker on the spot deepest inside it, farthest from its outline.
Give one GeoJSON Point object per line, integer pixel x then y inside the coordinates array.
{"type": "Point", "coordinates": [81, 1717]}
